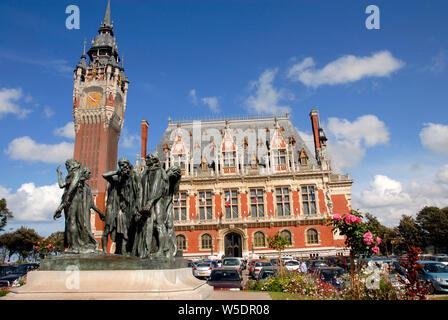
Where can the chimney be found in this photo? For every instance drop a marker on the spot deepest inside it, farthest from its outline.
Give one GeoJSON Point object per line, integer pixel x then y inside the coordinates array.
{"type": "Point", "coordinates": [315, 126]}
{"type": "Point", "coordinates": [144, 138]}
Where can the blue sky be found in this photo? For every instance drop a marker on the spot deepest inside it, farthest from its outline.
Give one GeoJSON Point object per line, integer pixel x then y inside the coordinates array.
{"type": "Point", "coordinates": [384, 107]}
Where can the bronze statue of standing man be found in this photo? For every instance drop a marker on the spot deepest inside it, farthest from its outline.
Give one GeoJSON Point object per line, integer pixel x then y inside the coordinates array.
{"type": "Point", "coordinates": [123, 200]}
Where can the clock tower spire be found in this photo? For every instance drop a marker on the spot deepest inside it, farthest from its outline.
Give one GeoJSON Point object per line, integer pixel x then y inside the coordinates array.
{"type": "Point", "coordinates": [99, 102]}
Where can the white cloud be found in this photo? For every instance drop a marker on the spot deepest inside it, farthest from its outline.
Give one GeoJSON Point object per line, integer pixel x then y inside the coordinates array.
{"type": "Point", "coordinates": [345, 69]}
{"type": "Point", "coordinates": [388, 199]}
{"type": "Point", "coordinates": [212, 103]}
{"type": "Point", "coordinates": [32, 203]}
{"type": "Point", "coordinates": [128, 140]}
{"type": "Point", "coordinates": [9, 102]}
{"type": "Point", "coordinates": [267, 98]}
{"type": "Point", "coordinates": [192, 96]}
{"type": "Point", "coordinates": [67, 131]}
{"type": "Point", "coordinates": [48, 112]}
{"type": "Point", "coordinates": [435, 137]}
{"type": "Point", "coordinates": [352, 138]}
{"type": "Point", "coordinates": [383, 192]}
{"type": "Point", "coordinates": [439, 61]}
{"type": "Point", "coordinates": [442, 175]}
{"type": "Point", "coordinates": [25, 148]}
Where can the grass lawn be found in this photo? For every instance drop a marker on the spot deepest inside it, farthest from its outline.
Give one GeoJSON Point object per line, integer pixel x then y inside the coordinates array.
{"type": "Point", "coordinates": [283, 296]}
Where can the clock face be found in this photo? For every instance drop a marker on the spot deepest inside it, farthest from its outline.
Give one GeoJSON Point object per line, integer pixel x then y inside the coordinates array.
{"type": "Point", "coordinates": [93, 99]}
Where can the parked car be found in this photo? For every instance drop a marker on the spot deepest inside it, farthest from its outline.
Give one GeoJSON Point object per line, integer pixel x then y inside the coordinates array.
{"type": "Point", "coordinates": [292, 265]}
{"type": "Point", "coordinates": [203, 270]}
{"type": "Point", "coordinates": [214, 262]}
{"type": "Point", "coordinates": [258, 266]}
{"type": "Point", "coordinates": [315, 264]}
{"type": "Point", "coordinates": [232, 263]}
{"type": "Point", "coordinates": [436, 273]}
{"type": "Point", "coordinates": [442, 259]}
{"type": "Point", "coordinates": [4, 284]}
{"type": "Point", "coordinates": [331, 275]}
{"type": "Point", "coordinates": [225, 279]}
{"type": "Point", "coordinates": [266, 273]}
{"type": "Point", "coordinates": [274, 262]}
{"type": "Point", "coordinates": [252, 263]}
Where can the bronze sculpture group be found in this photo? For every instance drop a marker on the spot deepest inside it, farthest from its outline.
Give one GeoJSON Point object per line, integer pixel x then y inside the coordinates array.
{"type": "Point", "coordinates": [138, 215]}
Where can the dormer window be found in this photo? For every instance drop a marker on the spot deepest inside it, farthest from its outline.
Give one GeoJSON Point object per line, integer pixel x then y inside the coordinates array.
{"type": "Point", "coordinates": [303, 158]}
{"type": "Point", "coordinates": [254, 161]}
{"type": "Point", "coordinates": [204, 164]}
{"type": "Point", "coordinates": [229, 159]}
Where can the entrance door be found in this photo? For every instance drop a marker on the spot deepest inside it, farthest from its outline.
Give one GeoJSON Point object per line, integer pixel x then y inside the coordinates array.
{"type": "Point", "coordinates": [232, 244]}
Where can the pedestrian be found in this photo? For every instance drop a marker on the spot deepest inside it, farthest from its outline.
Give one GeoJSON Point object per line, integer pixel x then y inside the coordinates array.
{"type": "Point", "coordinates": [303, 267]}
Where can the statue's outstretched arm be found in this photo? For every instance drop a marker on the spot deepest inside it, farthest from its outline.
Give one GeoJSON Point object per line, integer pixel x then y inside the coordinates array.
{"type": "Point", "coordinates": [60, 181]}
{"type": "Point", "coordinates": [111, 176]}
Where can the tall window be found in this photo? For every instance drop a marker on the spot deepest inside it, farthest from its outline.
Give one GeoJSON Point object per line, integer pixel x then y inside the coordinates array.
{"type": "Point", "coordinates": [287, 234]}
{"type": "Point", "coordinates": [180, 206]}
{"type": "Point", "coordinates": [257, 203]}
{"type": "Point", "coordinates": [259, 240]}
{"type": "Point", "coordinates": [283, 208]}
{"type": "Point", "coordinates": [280, 157]}
{"type": "Point", "coordinates": [205, 205]}
{"type": "Point", "coordinates": [309, 200]}
{"type": "Point", "coordinates": [312, 236]}
{"type": "Point", "coordinates": [181, 242]}
{"type": "Point", "coordinates": [229, 159]}
{"type": "Point", "coordinates": [180, 161]}
{"type": "Point", "coordinates": [231, 203]}
{"type": "Point", "coordinates": [206, 241]}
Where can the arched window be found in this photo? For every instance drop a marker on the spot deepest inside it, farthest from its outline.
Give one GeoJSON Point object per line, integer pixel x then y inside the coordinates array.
{"type": "Point", "coordinates": [312, 236]}
{"type": "Point", "coordinates": [206, 241]}
{"type": "Point", "coordinates": [287, 234]}
{"type": "Point", "coordinates": [181, 242]}
{"type": "Point", "coordinates": [259, 239]}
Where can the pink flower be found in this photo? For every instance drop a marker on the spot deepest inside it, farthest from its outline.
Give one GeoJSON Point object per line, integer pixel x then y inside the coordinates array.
{"type": "Point", "coordinates": [376, 249]}
{"type": "Point", "coordinates": [336, 217]}
{"type": "Point", "coordinates": [357, 219]}
{"type": "Point", "coordinates": [36, 247]}
{"type": "Point", "coordinates": [348, 218]}
{"type": "Point", "coordinates": [368, 238]}
{"type": "Point", "coordinates": [378, 240]}
{"type": "Point", "coordinates": [44, 239]}
{"type": "Point", "coordinates": [38, 242]}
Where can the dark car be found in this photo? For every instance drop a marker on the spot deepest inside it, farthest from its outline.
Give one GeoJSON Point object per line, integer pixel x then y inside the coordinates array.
{"type": "Point", "coordinates": [332, 275]}
{"type": "Point", "coordinates": [266, 273]}
{"type": "Point", "coordinates": [313, 265]}
{"type": "Point", "coordinates": [225, 279]}
{"type": "Point", "coordinates": [4, 284]}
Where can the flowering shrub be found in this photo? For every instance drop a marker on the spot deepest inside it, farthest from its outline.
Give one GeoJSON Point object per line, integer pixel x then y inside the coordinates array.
{"type": "Point", "coordinates": [358, 238]}
{"type": "Point", "coordinates": [44, 247]}
{"type": "Point", "coordinates": [310, 286]}
{"type": "Point", "coordinates": [414, 288]}
{"type": "Point", "coordinates": [373, 282]}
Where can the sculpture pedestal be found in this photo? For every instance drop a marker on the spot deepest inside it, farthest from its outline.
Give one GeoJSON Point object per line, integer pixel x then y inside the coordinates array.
{"type": "Point", "coordinates": [110, 278]}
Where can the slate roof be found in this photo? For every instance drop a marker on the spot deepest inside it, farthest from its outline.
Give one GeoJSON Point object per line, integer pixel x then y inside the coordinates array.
{"type": "Point", "coordinates": [257, 125]}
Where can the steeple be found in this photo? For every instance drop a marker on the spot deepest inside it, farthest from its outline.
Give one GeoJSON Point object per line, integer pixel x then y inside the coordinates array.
{"type": "Point", "coordinates": [107, 20]}
{"type": "Point", "coordinates": [104, 46]}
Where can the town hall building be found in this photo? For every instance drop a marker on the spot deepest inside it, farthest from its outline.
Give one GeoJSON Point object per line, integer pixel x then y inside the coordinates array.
{"type": "Point", "coordinates": [243, 179]}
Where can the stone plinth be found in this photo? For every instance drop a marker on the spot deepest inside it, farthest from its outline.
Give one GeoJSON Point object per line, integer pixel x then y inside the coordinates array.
{"type": "Point", "coordinates": [98, 276]}
{"type": "Point", "coordinates": [179, 284]}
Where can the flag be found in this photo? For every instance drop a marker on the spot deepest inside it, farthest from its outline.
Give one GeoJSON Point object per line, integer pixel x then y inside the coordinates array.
{"type": "Point", "coordinates": [228, 199]}
{"type": "Point", "coordinates": [255, 200]}
{"type": "Point", "coordinates": [203, 199]}
{"type": "Point", "coordinates": [312, 194]}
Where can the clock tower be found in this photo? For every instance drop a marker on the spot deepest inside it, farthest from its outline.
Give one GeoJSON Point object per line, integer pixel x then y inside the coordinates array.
{"type": "Point", "coordinates": [99, 103]}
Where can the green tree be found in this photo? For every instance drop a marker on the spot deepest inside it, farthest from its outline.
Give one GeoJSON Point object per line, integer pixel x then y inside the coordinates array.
{"type": "Point", "coordinates": [433, 224]}
{"type": "Point", "coordinates": [5, 214]}
{"type": "Point", "coordinates": [279, 243]}
{"type": "Point", "coordinates": [5, 240]}
{"type": "Point", "coordinates": [58, 239]}
{"type": "Point", "coordinates": [408, 234]}
{"type": "Point", "coordinates": [23, 241]}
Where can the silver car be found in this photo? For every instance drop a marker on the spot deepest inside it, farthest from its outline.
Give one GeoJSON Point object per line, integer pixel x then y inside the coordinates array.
{"type": "Point", "coordinates": [203, 270]}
